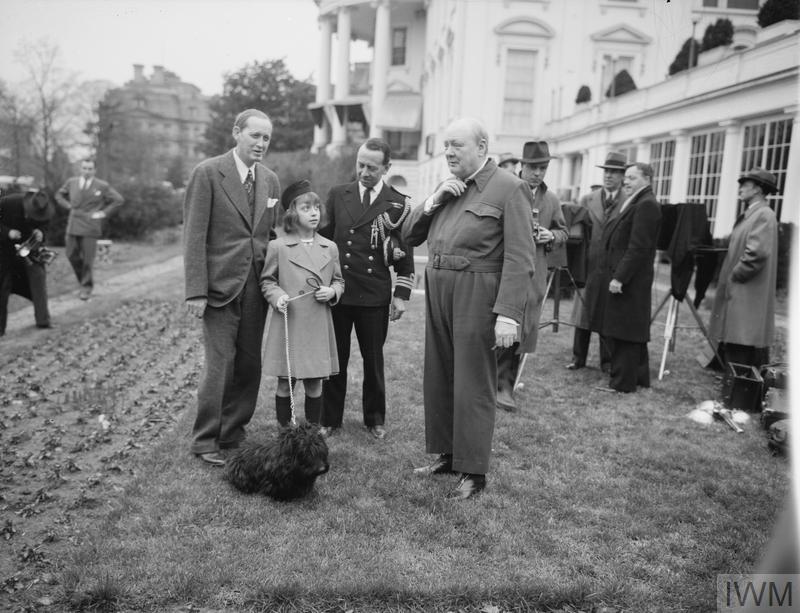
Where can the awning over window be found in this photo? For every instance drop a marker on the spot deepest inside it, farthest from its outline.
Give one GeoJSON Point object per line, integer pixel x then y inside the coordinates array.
{"type": "Point", "coordinates": [401, 111]}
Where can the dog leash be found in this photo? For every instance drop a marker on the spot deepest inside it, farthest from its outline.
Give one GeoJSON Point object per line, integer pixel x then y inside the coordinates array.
{"type": "Point", "coordinates": [315, 284]}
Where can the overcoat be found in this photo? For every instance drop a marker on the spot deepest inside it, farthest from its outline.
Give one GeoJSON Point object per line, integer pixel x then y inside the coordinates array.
{"type": "Point", "coordinates": [99, 196]}
{"type": "Point", "coordinates": [480, 255]}
{"type": "Point", "coordinates": [552, 218]}
{"type": "Point", "coordinates": [12, 217]}
{"type": "Point", "coordinates": [221, 241]}
{"type": "Point", "coordinates": [744, 304]}
{"type": "Point", "coordinates": [595, 205]}
{"type": "Point", "coordinates": [629, 242]}
{"type": "Point", "coordinates": [367, 277]}
{"type": "Point", "coordinates": [312, 342]}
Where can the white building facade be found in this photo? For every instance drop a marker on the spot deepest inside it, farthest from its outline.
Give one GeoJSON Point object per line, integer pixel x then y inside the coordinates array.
{"type": "Point", "coordinates": [518, 66]}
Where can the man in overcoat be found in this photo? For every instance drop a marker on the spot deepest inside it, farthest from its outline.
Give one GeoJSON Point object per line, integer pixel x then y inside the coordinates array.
{"type": "Point", "coordinates": [24, 216]}
{"type": "Point", "coordinates": [601, 204]}
{"type": "Point", "coordinates": [550, 234]}
{"type": "Point", "coordinates": [743, 316]}
{"type": "Point", "coordinates": [229, 213]}
{"type": "Point", "coordinates": [89, 200]}
{"type": "Point", "coordinates": [629, 246]}
{"type": "Point", "coordinates": [480, 253]}
{"type": "Point", "coordinates": [364, 220]}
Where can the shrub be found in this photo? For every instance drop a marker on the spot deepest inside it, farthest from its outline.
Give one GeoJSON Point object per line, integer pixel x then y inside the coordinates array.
{"type": "Point", "coordinates": [584, 94]}
{"type": "Point", "coordinates": [681, 61]}
{"type": "Point", "coordinates": [718, 34]}
{"type": "Point", "coordinates": [146, 208]}
{"type": "Point", "coordinates": [622, 84]}
{"type": "Point", "coordinates": [773, 11]}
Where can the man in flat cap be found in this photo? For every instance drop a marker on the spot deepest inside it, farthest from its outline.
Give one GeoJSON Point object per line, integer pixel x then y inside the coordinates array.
{"type": "Point", "coordinates": [601, 204]}
{"type": "Point", "coordinates": [743, 316]}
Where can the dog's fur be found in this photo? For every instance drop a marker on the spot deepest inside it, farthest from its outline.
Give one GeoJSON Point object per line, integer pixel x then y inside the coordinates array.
{"type": "Point", "coordinates": [282, 468]}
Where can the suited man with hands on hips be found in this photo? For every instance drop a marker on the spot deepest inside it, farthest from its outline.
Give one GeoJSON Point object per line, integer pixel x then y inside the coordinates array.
{"type": "Point", "coordinates": [229, 214]}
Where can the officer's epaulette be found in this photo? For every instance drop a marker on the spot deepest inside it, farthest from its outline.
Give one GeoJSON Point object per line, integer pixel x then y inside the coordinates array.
{"type": "Point", "coordinates": [404, 199]}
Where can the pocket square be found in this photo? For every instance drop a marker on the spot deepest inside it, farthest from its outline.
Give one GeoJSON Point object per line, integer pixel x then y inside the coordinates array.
{"type": "Point", "coordinates": [271, 202]}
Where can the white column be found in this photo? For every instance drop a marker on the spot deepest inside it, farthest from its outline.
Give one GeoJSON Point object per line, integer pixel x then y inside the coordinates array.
{"type": "Point", "coordinates": [323, 77]}
{"type": "Point", "coordinates": [727, 202]}
{"type": "Point", "coordinates": [680, 167]}
{"type": "Point", "coordinates": [790, 211]}
{"type": "Point", "coordinates": [342, 87]}
{"type": "Point", "coordinates": [380, 62]}
{"type": "Point", "coordinates": [642, 150]}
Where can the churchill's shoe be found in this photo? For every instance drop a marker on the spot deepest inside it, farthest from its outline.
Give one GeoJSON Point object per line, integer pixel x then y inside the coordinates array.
{"type": "Point", "coordinates": [469, 485]}
{"type": "Point", "coordinates": [379, 432]}
{"type": "Point", "coordinates": [574, 365]}
{"type": "Point", "coordinates": [442, 465]}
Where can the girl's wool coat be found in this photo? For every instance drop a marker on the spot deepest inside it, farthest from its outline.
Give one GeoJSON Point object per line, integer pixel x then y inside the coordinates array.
{"type": "Point", "coordinates": [288, 268]}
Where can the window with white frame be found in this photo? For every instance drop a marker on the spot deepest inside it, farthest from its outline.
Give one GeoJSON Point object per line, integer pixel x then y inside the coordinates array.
{"type": "Point", "coordinates": [747, 5]}
{"type": "Point", "coordinates": [399, 39]}
{"type": "Point", "coordinates": [662, 156]}
{"type": "Point", "coordinates": [612, 66]}
{"type": "Point", "coordinates": [766, 145]}
{"type": "Point", "coordinates": [705, 169]}
{"type": "Point", "coordinates": [518, 96]}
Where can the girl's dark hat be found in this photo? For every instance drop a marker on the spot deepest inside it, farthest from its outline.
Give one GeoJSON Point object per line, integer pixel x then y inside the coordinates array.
{"type": "Point", "coordinates": [615, 160]}
{"type": "Point", "coordinates": [765, 179]}
{"type": "Point", "coordinates": [536, 152]}
{"type": "Point", "coordinates": [303, 186]}
{"type": "Point", "coordinates": [37, 205]}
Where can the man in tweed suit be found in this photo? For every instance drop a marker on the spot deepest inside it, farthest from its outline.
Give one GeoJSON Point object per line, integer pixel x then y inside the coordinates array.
{"type": "Point", "coordinates": [229, 213]}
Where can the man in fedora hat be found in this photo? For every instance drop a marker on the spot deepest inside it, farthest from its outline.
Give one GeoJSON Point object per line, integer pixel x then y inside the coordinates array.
{"type": "Point", "coordinates": [23, 217]}
{"type": "Point", "coordinates": [601, 205]}
{"type": "Point", "coordinates": [743, 316]}
{"type": "Point", "coordinates": [550, 232]}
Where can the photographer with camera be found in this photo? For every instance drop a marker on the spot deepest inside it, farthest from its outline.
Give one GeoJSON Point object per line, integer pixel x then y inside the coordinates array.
{"type": "Point", "coordinates": [23, 218]}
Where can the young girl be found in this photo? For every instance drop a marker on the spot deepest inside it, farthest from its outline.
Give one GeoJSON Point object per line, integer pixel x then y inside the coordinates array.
{"type": "Point", "coordinates": [301, 277]}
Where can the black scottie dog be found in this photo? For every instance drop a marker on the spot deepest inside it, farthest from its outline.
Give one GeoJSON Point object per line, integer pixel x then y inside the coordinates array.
{"type": "Point", "coordinates": [284, 467]}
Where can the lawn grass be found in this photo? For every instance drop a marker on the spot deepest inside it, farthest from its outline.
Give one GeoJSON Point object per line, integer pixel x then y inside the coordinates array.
{"type": "Point", "coordinates": [594, 499]}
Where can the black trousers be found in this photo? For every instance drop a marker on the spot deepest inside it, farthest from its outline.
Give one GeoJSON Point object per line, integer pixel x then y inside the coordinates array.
{"type": "Point", "coordinates": [630, 365]}
{"type": "Point", "coordinates": [37, 281]}
{"type": "Point", "coordinates": [507, 366]}
{"type": "Point", "coordinates": [580, 347]}
{"type": "Point", "coordinates": [371, 325]}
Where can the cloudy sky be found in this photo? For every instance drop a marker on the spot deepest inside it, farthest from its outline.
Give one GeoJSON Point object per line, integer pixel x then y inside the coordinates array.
{"type": "Point", "coordinates": [197, 39]}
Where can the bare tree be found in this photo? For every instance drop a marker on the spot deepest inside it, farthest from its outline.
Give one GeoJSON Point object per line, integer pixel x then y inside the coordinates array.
{"type": "Point", "coordinates": [16, 131]}
{"type": "Point", "coordinates": [55, 102]}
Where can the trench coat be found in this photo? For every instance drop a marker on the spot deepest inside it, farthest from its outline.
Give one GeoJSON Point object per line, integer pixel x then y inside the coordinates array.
{"type": "Point", "coordinates": [312, 342]}
{"type": "Point", "coordinates": [593, 291]}
{"type": "Point", "coordinates": [629, 242]}
{"type": "Point", "coordinates": [744, 304]}
{"type": "Point", "coordinates": [552, 254]}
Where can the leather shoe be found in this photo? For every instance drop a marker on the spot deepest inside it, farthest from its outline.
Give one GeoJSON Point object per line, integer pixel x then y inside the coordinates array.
{"type": "Point", "coordinates": [214, 458]}
{"type": "Point", "coordinates": [574, 366]}
{"type": "Point", "coordinates": [505, 400]}
{"type": "Point", "coordinates": [605, 367]}
{"type": "Point", "coordinates": [84, 294]}
{"type": "Point", "coordinates": [469, 485]}
{"type": "Point", "coordinates": [379, 432]}
{"type": "Point", "coordinates": [442, 465]}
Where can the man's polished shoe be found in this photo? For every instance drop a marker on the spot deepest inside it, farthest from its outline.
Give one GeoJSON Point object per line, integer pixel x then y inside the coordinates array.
{"type": "Point", "coordinates": [328, 431]}
{"type": "Point", "coordinates": [605, 367]}
{"type": "Point", "coordinates": [469, 485]}
{"type": "Point", "coordinates": [379, 432]}
{"type": "Point", "coordinates": [46, 326]}
{"type": "Point", "coordinates": [575, 366]}
{"type": "Point", "coordinates": [442, 465]}
{"type": "Point", "coordinates": [84, 294]}
{"type": "Point", "coordinates": [214, 458]}
{"type": "Point", "coordinates": [505, 400]}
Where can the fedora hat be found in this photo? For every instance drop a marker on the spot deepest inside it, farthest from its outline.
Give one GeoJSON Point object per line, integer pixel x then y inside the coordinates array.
{"type": "Point", "coordinates": [765, 179]}
{"type": "Point", "coordinates": [536, 152]}
{"type": "Point", "coordinates": [303, 186]}
{"type": "Point", "coordinates": [506, 157]}
{"type": "Point", "coordinates": [37, 205]}
{"type": "Point", "coordinates": [615, 160]}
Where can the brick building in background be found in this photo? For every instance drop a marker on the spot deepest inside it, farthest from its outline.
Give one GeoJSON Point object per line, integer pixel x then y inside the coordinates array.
{"type": "Point", "coordinates": [151, 129]}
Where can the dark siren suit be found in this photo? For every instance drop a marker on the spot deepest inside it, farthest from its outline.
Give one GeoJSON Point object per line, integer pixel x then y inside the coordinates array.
{"type": "Point", "coordinates": [367, 296]}
{"type": "Point", "coordinates": [480, 253]}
